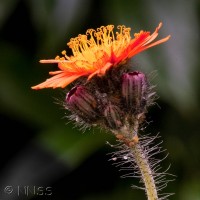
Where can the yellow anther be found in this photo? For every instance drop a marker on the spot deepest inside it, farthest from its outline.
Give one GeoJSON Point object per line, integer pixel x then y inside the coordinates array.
{"type": "Point", "coordinates": [57, 58]}
{"type": "Point", "coordinates": [63, 52]}
{"type": "Point", "coordinates": [110, 27]}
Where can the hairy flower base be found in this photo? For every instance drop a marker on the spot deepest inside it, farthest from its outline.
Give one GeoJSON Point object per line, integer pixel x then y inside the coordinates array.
{"type": "Point", "coordinates": [117, 101]}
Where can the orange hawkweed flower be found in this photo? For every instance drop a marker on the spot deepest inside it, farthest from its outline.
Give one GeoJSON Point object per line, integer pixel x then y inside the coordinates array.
{"type": "Point", "coordinates": [96, 52]}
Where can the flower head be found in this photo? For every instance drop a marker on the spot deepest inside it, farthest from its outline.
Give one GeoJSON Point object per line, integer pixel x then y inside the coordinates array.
{"type": "Point", "coordinates": [96, 52]}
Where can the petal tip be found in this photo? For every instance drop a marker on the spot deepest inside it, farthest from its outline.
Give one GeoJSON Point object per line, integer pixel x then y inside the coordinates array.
{"type": "Point", "coordinates": [35, 87]}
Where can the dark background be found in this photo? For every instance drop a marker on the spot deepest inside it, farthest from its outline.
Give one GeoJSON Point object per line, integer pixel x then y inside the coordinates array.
{"type": "Point", "coordinates": [40, 149]}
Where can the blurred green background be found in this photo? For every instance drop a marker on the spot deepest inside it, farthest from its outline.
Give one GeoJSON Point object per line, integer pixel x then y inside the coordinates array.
{"type": "Point", "coordinates": [40, 148]}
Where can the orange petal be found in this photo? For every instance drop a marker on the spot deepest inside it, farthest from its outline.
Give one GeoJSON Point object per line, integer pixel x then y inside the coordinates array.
{"type": "Point", "coordinates": [132, 53]}
{"type": "Point", "coordinates": [62, 64]}
{"type": "Point", "coordinates": [135, 44]}
{"type": "Point", "coordinates": [55, 72]}
{"type": "Point", "coordinates": [59, 80]}
{"type": "Point", "coordinates": [49, 61]}
{"type": "Point", "coordinates": [100, 71]}
{"type": "Point", "coordinates": [147, 42]}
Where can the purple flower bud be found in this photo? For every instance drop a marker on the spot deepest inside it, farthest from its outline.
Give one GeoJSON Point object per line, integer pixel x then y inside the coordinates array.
{"type": "Point", "coordinates": [113, 116]}
{"type": "Point", "coordinates": [83, 103]}
{"type": "Point", "coordinates": [134, 91]}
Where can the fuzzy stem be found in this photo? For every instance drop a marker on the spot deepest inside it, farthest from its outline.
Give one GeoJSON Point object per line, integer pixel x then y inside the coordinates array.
{"type": "Point", "coordinates": [145, 170]}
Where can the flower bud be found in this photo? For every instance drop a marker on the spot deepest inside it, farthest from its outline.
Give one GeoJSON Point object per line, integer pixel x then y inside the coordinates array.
{"type": "Point", "coordinates": [134, 91]}
{"type": "Point", "coordinates": [113, 116]}
{"type": "Point", "coordinates": [83, 103]}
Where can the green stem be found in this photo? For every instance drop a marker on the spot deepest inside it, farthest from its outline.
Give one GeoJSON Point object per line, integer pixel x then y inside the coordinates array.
{"type": "Point", "coordinates": [146, 171]}
{"type": "Point", "coordinates": [131, 140]}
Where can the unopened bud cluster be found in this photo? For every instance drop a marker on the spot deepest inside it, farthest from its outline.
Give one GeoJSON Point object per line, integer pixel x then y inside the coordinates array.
{"type": "Point", "coordinates": [114, 101]}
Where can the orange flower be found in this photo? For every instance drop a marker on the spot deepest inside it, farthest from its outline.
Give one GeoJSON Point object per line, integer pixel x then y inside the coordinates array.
{"type": "Point", "coordinates": [96, 52]}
